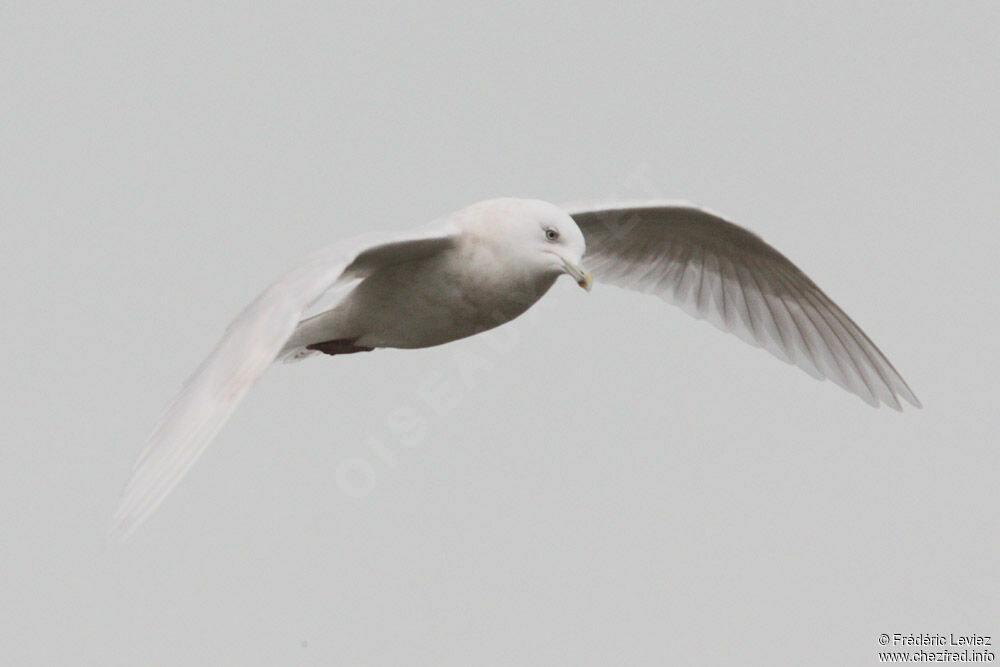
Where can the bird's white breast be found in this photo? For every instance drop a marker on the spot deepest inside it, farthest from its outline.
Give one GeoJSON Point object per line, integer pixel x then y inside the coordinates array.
{"type": "Point", "coordinates": [455, 294]}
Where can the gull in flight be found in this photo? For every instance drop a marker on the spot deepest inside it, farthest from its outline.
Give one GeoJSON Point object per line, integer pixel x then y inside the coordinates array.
{"type": "Point", "coordinates": [484, 265]}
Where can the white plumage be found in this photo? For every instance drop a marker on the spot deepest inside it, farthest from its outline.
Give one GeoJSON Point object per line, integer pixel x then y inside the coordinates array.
{"type": "Point", "coordinates": [485, 265]}
{"type": "Point", "coordinates": [720, 272]}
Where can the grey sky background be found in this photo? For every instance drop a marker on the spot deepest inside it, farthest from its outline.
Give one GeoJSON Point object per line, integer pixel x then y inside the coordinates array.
{"type": "Point", "coordinates": [605, 480]}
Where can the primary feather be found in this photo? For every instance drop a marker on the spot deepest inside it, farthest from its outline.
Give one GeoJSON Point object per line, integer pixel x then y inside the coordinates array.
{"type": "Point", "coordinates": [247, 348]}
{"type": "Point", "coordinates": [720, 272]}
{"type": "Point", "coordinates": [485, 265]}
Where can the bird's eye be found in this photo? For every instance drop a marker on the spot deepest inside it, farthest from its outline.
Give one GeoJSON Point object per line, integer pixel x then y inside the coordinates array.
{"type": "Point", "coordinates": [551, 234]}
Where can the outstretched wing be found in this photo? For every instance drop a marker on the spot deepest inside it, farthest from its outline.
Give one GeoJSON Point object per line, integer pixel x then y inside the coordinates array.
{"type": "Point", "coordinates": [249, 345]}
{"type": "Point", "coordinates": [720, 272]}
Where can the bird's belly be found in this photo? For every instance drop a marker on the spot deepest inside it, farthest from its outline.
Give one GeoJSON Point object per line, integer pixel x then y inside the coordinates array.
{"type": "Point", "coordinates": [413, 309]}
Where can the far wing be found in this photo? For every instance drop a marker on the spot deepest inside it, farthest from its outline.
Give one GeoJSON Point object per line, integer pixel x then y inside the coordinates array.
{"type": "Point", "coordinates": [248, 346]}
{"type": "Point", "coordinates": [718, 271]}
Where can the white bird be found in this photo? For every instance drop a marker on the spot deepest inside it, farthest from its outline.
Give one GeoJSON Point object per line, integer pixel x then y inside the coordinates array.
{"type": "Point", "coordinates": [483, 266]}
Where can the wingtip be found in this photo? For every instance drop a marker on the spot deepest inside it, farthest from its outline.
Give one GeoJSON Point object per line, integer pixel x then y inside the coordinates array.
{"type": "Point", "coordinates": [120, 529]}
{"type": "Point", "coordinates": [904, 391]}
{"type": "Point", "coordinates": [908, 396]}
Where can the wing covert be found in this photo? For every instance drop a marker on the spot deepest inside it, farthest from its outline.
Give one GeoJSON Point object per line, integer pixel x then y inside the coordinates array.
{"type": "Point", "coordinates": [251, 342]}
{"type": "Point", "coordinates": [718, 271]}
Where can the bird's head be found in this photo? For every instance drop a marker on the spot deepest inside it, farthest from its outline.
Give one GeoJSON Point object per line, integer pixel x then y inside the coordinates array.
{"type": "Point", "coordinates": [544, 237]}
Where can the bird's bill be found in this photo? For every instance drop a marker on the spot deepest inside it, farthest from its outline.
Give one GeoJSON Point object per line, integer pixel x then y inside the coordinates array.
{"type": "Point", "coordinates": [580, 275]}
